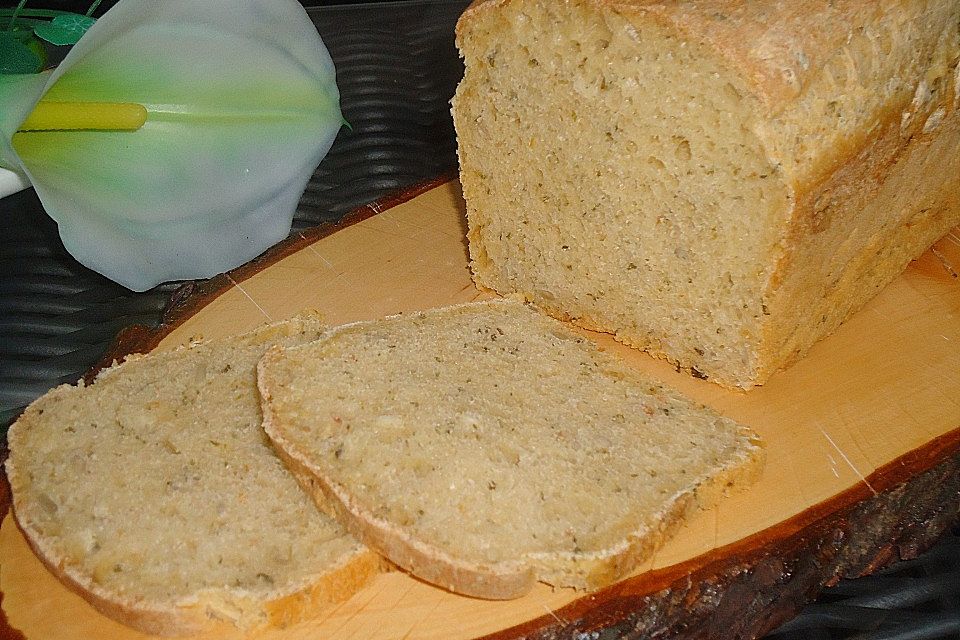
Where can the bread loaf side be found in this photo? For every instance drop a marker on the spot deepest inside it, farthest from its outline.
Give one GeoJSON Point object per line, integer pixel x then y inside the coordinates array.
{"type": "Point", "coordinates": [485, 446]}
{"type": "Point", "coordinates": [720, 183]}
{"type": "Point", "coordinates": [154, 494]}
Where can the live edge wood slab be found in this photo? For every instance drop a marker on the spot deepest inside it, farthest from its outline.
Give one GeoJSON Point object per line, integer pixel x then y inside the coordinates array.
{"type": "Point", "coordinates": [863, 442]}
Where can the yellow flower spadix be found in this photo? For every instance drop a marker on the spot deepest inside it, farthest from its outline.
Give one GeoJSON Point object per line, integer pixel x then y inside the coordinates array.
{"type": "Point", "coordinates": [87, 116]}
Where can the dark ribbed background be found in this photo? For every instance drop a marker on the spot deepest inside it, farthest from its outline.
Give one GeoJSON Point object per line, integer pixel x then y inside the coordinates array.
{"type": "Point", "coordinates": [397, 68]}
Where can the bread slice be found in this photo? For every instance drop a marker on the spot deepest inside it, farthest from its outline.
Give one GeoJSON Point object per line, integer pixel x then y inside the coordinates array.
{"type": "Point", "coordinates": [485, 446]}
{"type": "Point", "coordinates": [154, 494]}
{"type": "Point", "coordinates": [720, 183]}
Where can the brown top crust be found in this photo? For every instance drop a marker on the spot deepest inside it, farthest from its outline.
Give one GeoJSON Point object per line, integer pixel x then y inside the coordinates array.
{"type": "Point", "coordinates": [825, 74]}
{"type": "Point", "coordinates": [778, 46]}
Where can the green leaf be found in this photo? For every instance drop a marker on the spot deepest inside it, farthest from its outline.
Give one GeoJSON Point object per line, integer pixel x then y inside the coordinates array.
{"type": "Point", "coordinates": [16, 57]}
{"type": "Point", "coordinates": [65, 29]}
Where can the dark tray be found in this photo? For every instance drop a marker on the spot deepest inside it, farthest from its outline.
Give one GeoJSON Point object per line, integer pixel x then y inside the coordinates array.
{"type": "Point", "coordinates": [397, 69]}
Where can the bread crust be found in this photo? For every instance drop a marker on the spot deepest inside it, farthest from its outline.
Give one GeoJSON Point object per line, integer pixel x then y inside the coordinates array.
{"type": "Point", "coordinates": [858, 229]}
{"type": "Point", "coordinates": [191, 616]}
{"type": "Point", "coordinates": [212, 609]}
{"type": "Point", "coordinates": [777, 44]}
{"type": "Point", "coordinates": [502, 580]}
{"type": "Point", "coordinates": [855, 104]}
{"type": "Point", "coordinates": [165, 621]}
{"type": "Point", "coordinates": [496, 582]}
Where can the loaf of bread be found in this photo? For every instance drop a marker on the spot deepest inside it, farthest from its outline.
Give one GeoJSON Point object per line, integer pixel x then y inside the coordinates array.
{"type": "Point", "coordinates": [721, 183]}
{"type": "Point", "coordinates": [154, 494]}
{"type": "Point", "coordinates": [485, 446]}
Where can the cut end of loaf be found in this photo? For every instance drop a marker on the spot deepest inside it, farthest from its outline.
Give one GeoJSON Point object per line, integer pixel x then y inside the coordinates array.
{"type": "Point", "coordinates": [611, 177]}
{"type": "Point", "coordinates": [721, 186]}
{"type": "Point", "coordinates": [485, 445]}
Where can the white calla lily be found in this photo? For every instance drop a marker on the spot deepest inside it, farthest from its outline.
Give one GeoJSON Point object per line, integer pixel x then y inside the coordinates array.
{"type": "Point", "coordinates": [241, 105]}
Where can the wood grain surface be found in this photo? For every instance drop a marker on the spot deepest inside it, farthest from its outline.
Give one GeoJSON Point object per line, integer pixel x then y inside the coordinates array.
{"type": "Point", "coordinates": [864, 427]}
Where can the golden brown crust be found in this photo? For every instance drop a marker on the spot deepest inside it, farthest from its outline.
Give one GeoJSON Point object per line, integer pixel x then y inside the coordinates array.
{"type": "Point", "coordinates": [191, 618]}
{"type": "Point", "coordinates": [200, 611]}
{"type": "Point", "coordinates": [855, 231]}
{"type": "Point", "coordinates": [432, 564]}
{"type": "Point", "coordinates": [787, 55]}
{"type": "Point", "coordinates": [855, 104]}
{"type": "Point", "coordinates": [498, 580]}
{"type": "Point", "coordinates": [336, 586]}
{"type": "Point", "coordinates": [778, 47]}
{"type": "Point", "coordinates": [155, 621]}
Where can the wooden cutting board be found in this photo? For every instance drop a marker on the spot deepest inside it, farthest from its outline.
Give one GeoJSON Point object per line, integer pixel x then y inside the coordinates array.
{"type": "Point", "coordinates": [862, 436]}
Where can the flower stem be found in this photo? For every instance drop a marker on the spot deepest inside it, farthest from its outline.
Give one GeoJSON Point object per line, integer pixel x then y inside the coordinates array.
{"type": "Point", "coordinates": [92, 8]}
{"type": "Point", "coordinates": [95, 116]}
{"type": "Point", "coordinates": [16, 12]}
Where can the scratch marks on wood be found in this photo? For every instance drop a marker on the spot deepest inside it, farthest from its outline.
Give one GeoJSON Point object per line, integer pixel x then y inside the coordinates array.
{"type": "Point", "coordinates": [330, 613]}
{"type": "Point", "coordinates": [312, 250]}
{"type": "Point", "coordinates": [425, 617]}
{"type": "Point", "coordinates": [554, 615]}
{"type": "Point", "coordinates": [945, 262]}
{"type": "Point", "coordinates": [833, 463]}
{"type": "Point", "coordinates": [716, 525]}
{"type": "Point", "coordinates": [249, 297]}
{"type": "Point", "coordinates": [358, 610]}
{"type": "Point", "coordinates": [850, 464]}
{"type": "Point", "coordinates": [388, 222]}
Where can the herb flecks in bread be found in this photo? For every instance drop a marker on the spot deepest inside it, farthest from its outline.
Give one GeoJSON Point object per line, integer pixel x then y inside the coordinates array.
{"type": "Point", "coordinates": [720, 183]}
{"type": "Point", "coordinates": [486, 446]}
{"type": "Point", "coordinates": [155, 495]}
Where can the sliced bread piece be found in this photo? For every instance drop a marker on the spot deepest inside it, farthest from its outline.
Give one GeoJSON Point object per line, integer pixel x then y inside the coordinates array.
{"type": "Point", "coordinates": [154, 494]}
{"type": "Point", "coordinates": [485, 446]}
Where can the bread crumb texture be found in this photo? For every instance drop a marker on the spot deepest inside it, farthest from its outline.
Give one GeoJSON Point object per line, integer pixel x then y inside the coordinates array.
{"type": "Point", "coordinates": [719, 183]}
{"type": "Point", "coordinates": [155, 494]}
{"type": "Point", "coordinates": [486, 445]}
